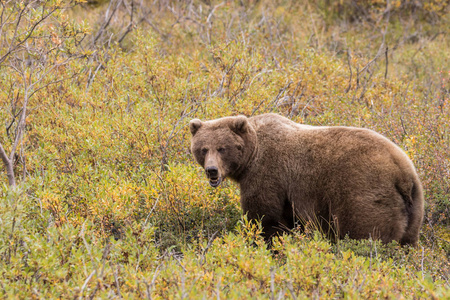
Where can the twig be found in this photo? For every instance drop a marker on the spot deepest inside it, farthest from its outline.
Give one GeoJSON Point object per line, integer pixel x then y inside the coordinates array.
{"type": "Point", "coordinates": [403, 127]}
{"type": "Point", "coordinates": [421, 262]}
{"type": "Point", "coordinates": [175, 129]}
{"type": "Point", "coordinates": [218, 92]}
{"type": "Point", "coordinates": [387, 62]}
{"type": "Point", "coordinates": [183, 283]}
{"type": "Point", "coordinates": [13, 48]}
{"type": "Point", "coordinates": [130, 25]}
{"type": "Point", "coordinates": [13, 120]}
{"type": "Point", "coordinates": [259, 74]}
{"type": "Point", "coordinates": [302, 114]}
{"type": "Point", "coordinates": [281, 294]}
{"type": "Point", "coordinates": [209, 22]}
{"type": "Point", "coordinates": [272, 283]}
{"type": "Point", "coordinates": [86, 244]}
{"type": "Point", "coordinates": [218, 287]}
{"type": "Point", "coordinates": [150, 286]}
{"type": "Point", "coordinates": [291, 289]}
{"type": "Point", "coordinates": [116, 279]}
{"type": "Point", "coordinates": [373, 60]}
{"type": "Point", "coordinates": [210, 241]}
{"type": "Point", "coordinates": [351, 72]}
{"type": "Point", "coordinates": [9, 167]}
{"type": "Point", "coordinates": [107, 20]}
{"type": "Point", "coordinates": [85, 283]}
{"type": "Point", "coordinates": [424, 44]}
{"type": "Point", "coordinates": [282, 91]}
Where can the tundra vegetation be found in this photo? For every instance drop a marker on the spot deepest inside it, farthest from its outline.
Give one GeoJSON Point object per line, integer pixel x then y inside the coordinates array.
{"type": "Point", "coordinates": [100, 197]}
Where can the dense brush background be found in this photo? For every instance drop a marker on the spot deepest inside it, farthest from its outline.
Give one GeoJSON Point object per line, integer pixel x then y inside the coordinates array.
{"type": "Point", "coordinates": [109, 202]}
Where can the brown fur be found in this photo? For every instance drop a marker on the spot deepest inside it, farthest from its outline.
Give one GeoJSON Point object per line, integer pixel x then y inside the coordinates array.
{"type": "Point", "coordinates": [348, 180]}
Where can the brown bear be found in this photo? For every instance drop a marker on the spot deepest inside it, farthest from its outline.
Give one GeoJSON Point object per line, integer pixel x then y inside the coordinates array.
{"type": "Point", "coordinates": [350, 181]}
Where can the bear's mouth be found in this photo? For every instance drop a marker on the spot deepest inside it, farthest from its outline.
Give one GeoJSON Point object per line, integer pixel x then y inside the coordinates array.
{"type": "Point", "coordinates": [214, 182]}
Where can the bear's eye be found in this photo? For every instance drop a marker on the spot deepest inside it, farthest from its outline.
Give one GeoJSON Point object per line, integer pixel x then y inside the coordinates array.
{"type": "Point", "coordinates": [239, 147]}
{"type": "Point", "coordinates": [221, 150]}
{"type": "Point", "coordinates": [204, 151]}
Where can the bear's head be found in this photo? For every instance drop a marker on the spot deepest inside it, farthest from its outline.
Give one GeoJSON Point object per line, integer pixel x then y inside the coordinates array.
{"type": "Point", "coordinates": [223, 147]}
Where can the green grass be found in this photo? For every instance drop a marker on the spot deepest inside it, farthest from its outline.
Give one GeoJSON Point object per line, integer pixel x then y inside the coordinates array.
{"type": "Point", "coordinates": [112, 203]}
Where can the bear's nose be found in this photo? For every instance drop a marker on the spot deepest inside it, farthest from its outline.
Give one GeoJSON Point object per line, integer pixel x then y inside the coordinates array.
{"type": "Point", "coordinates": [212, 172]}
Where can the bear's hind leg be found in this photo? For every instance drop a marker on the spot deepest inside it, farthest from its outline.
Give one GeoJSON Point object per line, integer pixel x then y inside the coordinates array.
{"type": "Point", "coordinates": [379, 216]}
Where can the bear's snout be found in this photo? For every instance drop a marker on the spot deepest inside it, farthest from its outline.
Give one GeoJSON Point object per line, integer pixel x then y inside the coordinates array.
{"type": "Point", "coordinates": [212, 172]}
{"type": "Point", "coordinates": [213, 175]}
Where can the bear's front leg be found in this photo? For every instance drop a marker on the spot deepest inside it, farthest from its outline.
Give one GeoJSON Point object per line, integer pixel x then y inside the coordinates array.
{"type": "Point", "coordinates": [275, 214]}
{"type": "Point", "coordinates": [273, 227]}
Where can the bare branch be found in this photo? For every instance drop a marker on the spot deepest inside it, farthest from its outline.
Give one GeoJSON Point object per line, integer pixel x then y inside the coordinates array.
{"type": "Point", "coordinates": [20, 125]}
{"type": "Point", "coordinates": [33, 57]}
{"type": "Point", "coordinates": [9, 167]}
{"type": "Point", "coordinates": [130, 25]}
{"type": "Point", "coordinates": [380, 51]}
{"type": "Point", "coordinates": [351, 73]}
{"type": "Point", "coordinates": [387, 62]}
{"type": "Point", "coordinates": [30, 32]}
{"type": "Point", "coordinates": [3, 155]}
{"type": "Point", "coordinates": [107, 20]}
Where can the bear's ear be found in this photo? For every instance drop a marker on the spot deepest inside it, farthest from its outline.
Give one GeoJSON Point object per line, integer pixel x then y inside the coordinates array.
{"type": "Point", "coordinates": [194, 125]}
{"type": "Point", "coordinates": [240, 124]}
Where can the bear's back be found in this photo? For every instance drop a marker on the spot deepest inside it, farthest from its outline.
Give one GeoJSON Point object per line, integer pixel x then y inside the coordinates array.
{"type": "Point", "coordinates": [273, 123]}
{"type": "Point", "coordinates": [325, 146]}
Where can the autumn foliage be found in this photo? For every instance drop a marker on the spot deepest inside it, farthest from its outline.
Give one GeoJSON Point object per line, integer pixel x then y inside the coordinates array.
{"type": "Point", "coordinates": [109, 201]}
